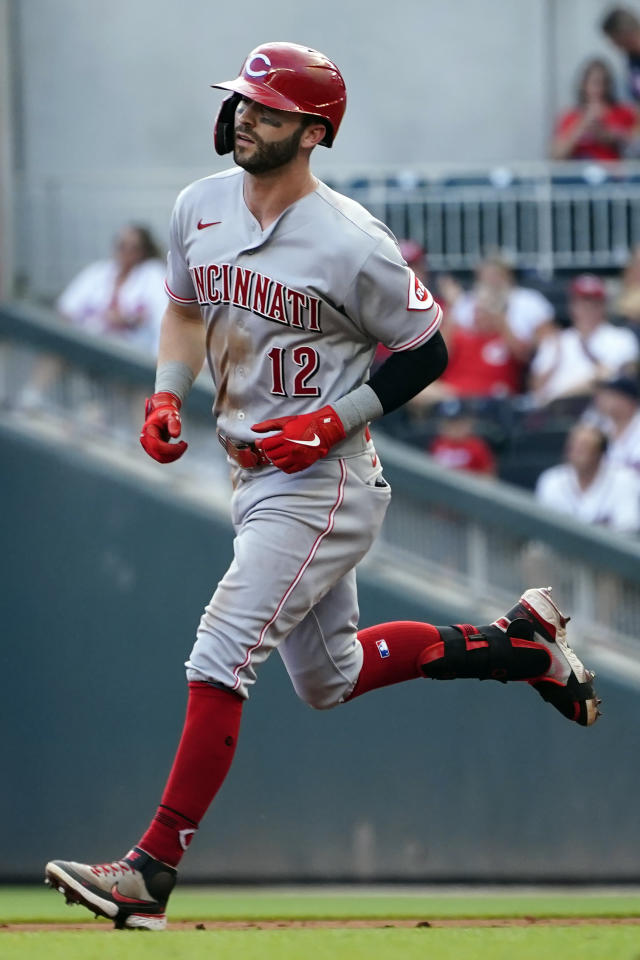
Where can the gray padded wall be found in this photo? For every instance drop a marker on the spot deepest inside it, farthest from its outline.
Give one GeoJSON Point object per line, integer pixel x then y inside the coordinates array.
{"type": "Point", "coordinates": [102, 586]}
{"type": "Point", "coordinates": [127, 87]}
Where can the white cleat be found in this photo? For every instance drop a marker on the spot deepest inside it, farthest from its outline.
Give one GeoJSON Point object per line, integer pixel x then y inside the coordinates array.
{"type": "Point", "coordinates": [567, 684]}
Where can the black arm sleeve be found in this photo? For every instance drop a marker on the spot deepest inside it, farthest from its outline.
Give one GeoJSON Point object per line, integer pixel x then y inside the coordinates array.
{"type": "Point", "coordinates": [405, 374]}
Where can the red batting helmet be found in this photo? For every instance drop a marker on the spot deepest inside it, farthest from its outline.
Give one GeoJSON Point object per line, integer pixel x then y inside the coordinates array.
{"type": "Point", "coordinates": [284, 76]}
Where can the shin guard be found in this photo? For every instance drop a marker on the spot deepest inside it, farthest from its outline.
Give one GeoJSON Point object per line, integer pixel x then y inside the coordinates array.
{"type": "Point", "coordinates": [486, 653]}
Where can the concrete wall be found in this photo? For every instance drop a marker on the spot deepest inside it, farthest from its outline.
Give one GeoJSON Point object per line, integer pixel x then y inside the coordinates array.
{"type": "Point", "coordinates": [126, 85]}
{"type": "Point", "coordinates": [103, 581]}
{"type": "Point", "coordinates": [112, 112]}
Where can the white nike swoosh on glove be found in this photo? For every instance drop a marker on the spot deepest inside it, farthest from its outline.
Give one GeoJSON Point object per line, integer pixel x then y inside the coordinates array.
{"type": "Point", "coordinates": [307, 443]}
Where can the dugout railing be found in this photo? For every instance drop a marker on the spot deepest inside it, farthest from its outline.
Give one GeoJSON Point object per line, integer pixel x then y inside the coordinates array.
{"type": "Point", "coordinates": [469, 544]}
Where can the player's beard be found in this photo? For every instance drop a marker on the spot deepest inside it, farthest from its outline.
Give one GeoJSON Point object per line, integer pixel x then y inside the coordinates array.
{"type": "Point", "coordinates": [270, 156]}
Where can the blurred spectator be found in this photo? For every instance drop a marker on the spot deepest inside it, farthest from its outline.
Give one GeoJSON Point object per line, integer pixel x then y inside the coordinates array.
{"type": "Point", "coordinates": [622, 26]}
{"type": "Point", "coordinates": [529, 313]}
{"type": "Point", "coordinates": [588, 487]}
{"type": "Point", "coordinates": [598, 128]}
{"type": "Point", "coordinates": [627, 304]}
{"type": "Point", "coordinates": [416, 258]}
{"type": "Point", "coordinates": [122, 297]}
{"type": "Point", "coordinates": [457, 446]}
{"type": "Point", "coordinates": [483, 360]}
{"type": "Point", "coordinates": [618, 404]}
{"type": "Point", "coordinates": [571, 361]}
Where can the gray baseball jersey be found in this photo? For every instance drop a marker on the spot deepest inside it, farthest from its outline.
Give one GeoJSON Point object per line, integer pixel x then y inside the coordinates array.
{"type": "Point", "coordinates": [293, 316]}
{"type": "Point", "coordinates": [293, 313]}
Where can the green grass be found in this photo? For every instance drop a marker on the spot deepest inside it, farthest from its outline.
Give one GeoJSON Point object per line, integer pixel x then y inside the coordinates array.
{"type": "Point", "coordinates": [198, 904]}
{"type": "Point", "coordinates": [38, 904]}
{"type": "Point", "coordinates": [581, 943]}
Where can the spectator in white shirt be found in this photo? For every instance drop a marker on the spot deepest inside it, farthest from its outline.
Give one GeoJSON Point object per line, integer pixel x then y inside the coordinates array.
{"type": "Point", "coordinates": [618, 404]}
{"type": "Point", "coordinates": [572, 361]}
{"type": "Point", "coordinates": [122, 297]}
{"type": "Point", "coordinates": [529, 314]}
{"type": "Point", "coordinates": [588, 487]}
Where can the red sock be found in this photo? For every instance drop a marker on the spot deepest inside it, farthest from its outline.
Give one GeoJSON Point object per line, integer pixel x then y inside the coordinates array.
{"type": "Point", "coordinates": [202, 762]}
{"type": "Point", "coordinates": [391, 652]}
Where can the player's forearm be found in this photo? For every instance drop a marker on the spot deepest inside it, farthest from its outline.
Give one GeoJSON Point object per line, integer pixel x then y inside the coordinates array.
{"type": "Point", "coordinates": [182, 339]}
{"type": "Point", "coordinates": [181, 352]}
{"type": "Point", "coordinates": [399, 379]}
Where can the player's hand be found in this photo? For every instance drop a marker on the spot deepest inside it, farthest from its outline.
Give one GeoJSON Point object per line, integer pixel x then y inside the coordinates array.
{"type": "Point", "coordinates": [161, 425]}
{"type": "Point", "coordinates": [301, 440]}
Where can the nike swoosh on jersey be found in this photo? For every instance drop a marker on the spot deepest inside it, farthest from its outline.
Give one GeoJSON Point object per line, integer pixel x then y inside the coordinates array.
{"type": "Point", "coordinates": [202, 225]}
{"type": "Point", "coordinates": [306, 443]}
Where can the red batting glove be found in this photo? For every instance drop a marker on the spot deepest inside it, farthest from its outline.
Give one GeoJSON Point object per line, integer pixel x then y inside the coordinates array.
{"type": "Point", "coordinates": [302, 440]}
{"type": "Point", "coordinates": [162, 423]}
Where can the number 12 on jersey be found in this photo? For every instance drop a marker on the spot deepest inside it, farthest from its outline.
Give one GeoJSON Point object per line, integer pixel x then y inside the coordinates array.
{"type": "Point", "coordinates": [304, 357]}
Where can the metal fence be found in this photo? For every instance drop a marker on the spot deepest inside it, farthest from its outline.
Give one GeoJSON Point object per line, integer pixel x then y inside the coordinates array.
{"type": "Point", "coordinates": [540, 225]}
{"type": "Point", "coordinates": [543, 217]}
{"type": "Point", "coordinates": [469, 544]}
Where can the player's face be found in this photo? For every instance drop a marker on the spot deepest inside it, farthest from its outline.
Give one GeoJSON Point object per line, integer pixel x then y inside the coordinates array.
{"type": "Point", "coordinates": [265, 139]}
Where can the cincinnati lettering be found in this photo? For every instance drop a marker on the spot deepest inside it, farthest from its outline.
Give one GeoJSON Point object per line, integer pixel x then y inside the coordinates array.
{"type": "Point", "coordinates": [225, 283]}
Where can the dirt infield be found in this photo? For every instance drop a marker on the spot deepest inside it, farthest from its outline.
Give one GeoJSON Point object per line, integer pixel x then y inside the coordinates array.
{"type": "Point", "coordinates": [370, 924]}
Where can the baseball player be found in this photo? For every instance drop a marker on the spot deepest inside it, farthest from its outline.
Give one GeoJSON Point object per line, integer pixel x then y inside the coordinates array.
{"type": "Point", "coordinates": [286, 288]}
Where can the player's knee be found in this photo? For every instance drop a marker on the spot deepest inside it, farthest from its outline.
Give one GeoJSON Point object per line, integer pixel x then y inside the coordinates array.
{"type": "Point", "coordinates": [319, 703]}
{"type": "Point", "coordinates": [319, 698]}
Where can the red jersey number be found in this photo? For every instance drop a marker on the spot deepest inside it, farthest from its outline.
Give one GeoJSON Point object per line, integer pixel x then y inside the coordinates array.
{"type": "Point", "coordinates": [304, 357]}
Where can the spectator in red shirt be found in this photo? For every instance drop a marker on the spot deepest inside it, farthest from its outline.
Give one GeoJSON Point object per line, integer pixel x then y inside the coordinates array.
{"type": "Point", "coordinates": [529, 314]}
{"type": "Point", "coordinates": [457, 446]}
{"type": "Point", "coordinates": [598, 128]}
{"type": "Point", "coordinates": [484, 360]}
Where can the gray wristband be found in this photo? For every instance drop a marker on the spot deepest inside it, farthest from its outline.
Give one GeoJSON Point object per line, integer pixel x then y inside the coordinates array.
{"type": "Point", "coordinates": [174, 377]}
{"type": "Point", "coordinates": [357, 408]}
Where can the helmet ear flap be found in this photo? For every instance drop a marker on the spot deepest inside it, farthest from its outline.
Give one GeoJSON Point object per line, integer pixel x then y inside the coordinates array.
{"type": "Point", "coordinates": [223, 129]}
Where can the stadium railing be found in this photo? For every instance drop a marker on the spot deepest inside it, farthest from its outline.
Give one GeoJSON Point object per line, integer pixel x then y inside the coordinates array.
{"type": "Point", "coordinates": [470, 544]}
{"type": "Point", "coordinates": [543, 217]}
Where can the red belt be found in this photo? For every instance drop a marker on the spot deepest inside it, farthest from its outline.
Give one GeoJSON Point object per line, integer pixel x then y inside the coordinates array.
{"type": "Point", "coordinates": [246, 455]}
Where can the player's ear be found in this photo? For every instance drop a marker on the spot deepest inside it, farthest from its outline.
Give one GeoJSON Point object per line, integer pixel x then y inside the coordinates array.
{"type": "Point", "coordinates": [313, 134]}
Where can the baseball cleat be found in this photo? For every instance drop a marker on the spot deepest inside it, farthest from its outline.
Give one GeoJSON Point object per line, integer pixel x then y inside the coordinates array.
{"type": "Point", "coordinates": [567, 684]}
{"type": "Point", "coordinates": [132, 892]}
